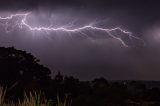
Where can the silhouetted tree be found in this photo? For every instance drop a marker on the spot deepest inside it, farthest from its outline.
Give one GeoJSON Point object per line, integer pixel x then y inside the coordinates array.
{"type": "Point", "coordinates": [21, 69]}
{"type": "Point", "coordinates": [100, 82]}
{"type": "Point", "coordinates": [18, 66]}
{"type": "Point", "coordinates": [59, 78]}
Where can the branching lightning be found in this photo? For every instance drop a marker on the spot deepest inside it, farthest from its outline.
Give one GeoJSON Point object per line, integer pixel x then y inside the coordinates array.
{"type": "Point", "coordinates": [22, 22]}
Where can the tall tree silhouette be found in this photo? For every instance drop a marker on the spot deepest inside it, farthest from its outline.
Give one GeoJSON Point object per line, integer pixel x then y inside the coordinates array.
{"type": "Point", "coordinates": [18, 66]}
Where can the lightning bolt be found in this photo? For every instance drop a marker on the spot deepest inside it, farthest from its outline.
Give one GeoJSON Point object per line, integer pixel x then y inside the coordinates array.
{"type": "Point", "coordinates": [22, 21]}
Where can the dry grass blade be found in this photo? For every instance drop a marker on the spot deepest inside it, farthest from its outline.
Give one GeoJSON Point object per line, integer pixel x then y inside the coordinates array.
{"type": "Point", "coordinates": [2, 95]}
{"type": "Point", "coordinates": [66, 102]}
{"type": "Point", "coordinates": [32, 99]}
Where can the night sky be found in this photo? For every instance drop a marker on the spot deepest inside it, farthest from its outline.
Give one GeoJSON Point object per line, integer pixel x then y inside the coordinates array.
{"type": "Point", "coordinates": [74, 54]}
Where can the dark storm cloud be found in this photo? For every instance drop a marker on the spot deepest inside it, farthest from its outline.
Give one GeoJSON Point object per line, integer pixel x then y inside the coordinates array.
{"type": "Point", "coordinates": [83, 58]}
{"type": "Point", "coordinates": [94, 4]}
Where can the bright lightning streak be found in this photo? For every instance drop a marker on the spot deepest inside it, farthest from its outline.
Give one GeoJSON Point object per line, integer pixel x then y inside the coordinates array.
{"type": "Point", "coordinates": [23, 22]}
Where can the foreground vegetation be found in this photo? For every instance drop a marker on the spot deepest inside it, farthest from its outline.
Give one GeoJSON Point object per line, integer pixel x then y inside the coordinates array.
{"type": "Point", "coordinates": [21, 72]}
{"type": "Point", "coordinates": [31, 99]}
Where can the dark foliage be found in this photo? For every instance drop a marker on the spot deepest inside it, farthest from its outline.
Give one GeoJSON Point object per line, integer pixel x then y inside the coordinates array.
{"type": "Point", "coordinates": [20, 71]}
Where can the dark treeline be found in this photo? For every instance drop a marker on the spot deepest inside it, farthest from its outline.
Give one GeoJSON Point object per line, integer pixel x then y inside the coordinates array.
{"type": "Point", "coordinates": [21, 72]}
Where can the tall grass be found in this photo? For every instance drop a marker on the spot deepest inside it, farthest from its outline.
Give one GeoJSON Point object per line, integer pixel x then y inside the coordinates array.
{"type": "Point", "coordinates": [31, 99]}
{"type": "Point", "coordinates": [2, 95]}
{"type": "Point", "coordinates": [66, 102]}
{"type": "Point", "coordinates": [34, 99]}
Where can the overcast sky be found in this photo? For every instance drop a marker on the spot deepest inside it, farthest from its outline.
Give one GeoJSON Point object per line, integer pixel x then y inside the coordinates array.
{"type": "Point", "coordinates": [79, 56]}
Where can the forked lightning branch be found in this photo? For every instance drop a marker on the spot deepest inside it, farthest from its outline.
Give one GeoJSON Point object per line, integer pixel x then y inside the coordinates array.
{"type": "Point", "coordinates": [22, 22]}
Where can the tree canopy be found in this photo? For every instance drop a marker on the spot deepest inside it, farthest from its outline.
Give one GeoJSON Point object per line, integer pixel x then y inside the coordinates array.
{"type": "Point", "coordinates": [18, 66]}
